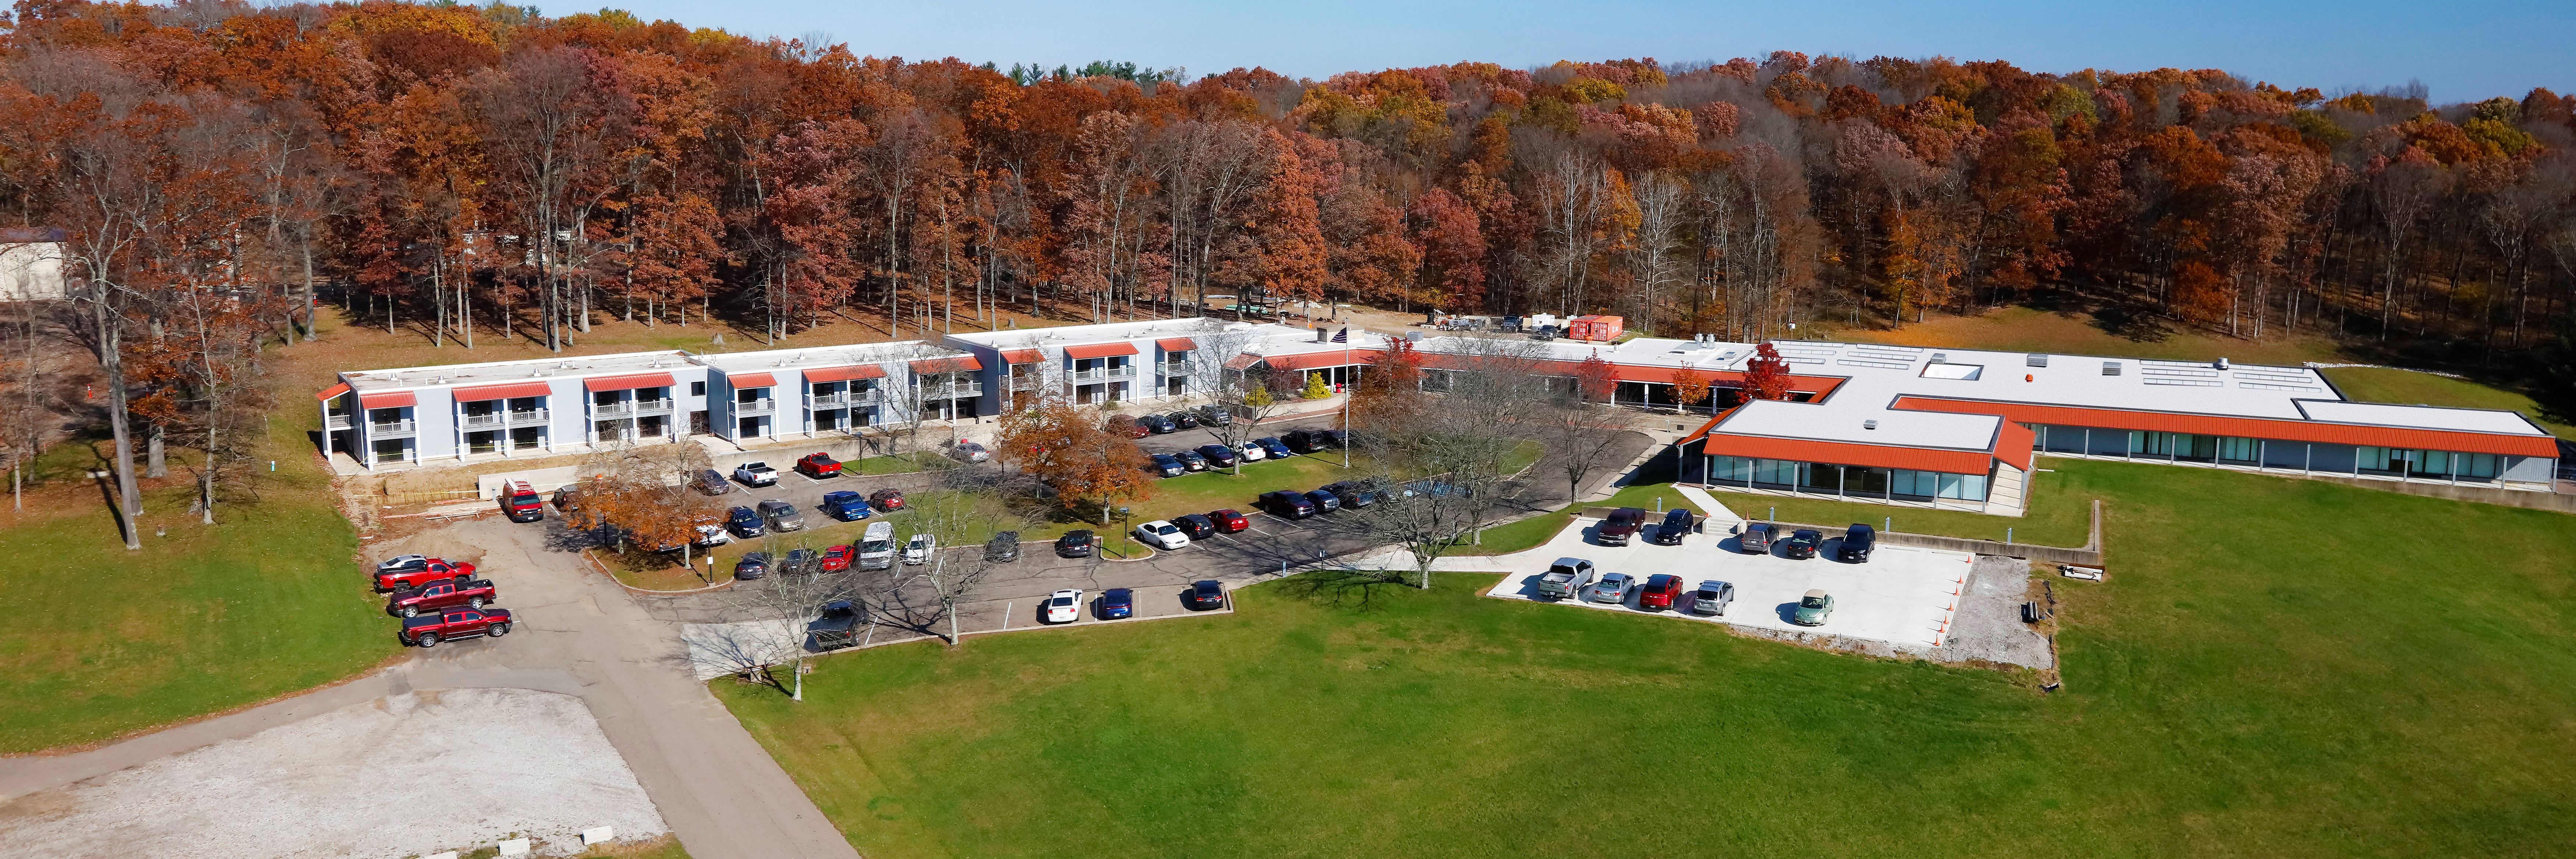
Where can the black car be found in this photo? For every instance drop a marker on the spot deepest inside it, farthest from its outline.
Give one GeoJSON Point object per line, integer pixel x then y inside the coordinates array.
{"type": "Point", "coordinates": [1205, 594]}
{"type": "Point", "coordinates": [1004, 546]}
{"type": "Point", "coordinates": [1116, 603]}
{"type": "Point", "coordinates": [1197, 526]}
{"type": "Point", "coordinates": [1213, 415]}
{"type": "Point", "coordinates": [1157, 424]}
{"type": "Point", "coordinates": [1856, 544]}
{"type": "Point", "coordinates": [1287, 504]}
{"type": "Point", "coordinates": [1353, 495]}
{"type": "Point", "coordinates": [1325, 502]}
{"type": "Point", "coordinates": [1191, 460]}
{"type": "Point", "coordinates": [798, 562]}
{"type": "Point", "coordinates": [1217, 455]}
{"type": "Point", "coordinates": [713, 482]}
{"type": "Point", "coordinates": [1075, 544]}
{"type": "Point", "coordinates": [1184, 420]}
{"type": "Point", "coordinates": [1802, 544]}
{"type": "Point", "coordinates": [1304, 441]}
{"type": "Point", "coordinates": [1167, 465]}
{"type": "Point", "coordinates": [745, 523]}
{"type": "Point", "coordinates": [752, 566]}
{"type": "Point", "coordinates": [1677, 522]}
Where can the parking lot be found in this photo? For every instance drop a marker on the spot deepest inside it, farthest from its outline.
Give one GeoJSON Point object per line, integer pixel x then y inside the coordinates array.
{"type": "Point", "coordinates": [1902, 595]}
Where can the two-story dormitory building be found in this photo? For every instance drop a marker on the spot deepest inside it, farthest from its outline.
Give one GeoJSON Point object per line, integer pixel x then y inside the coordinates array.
{"type": "Point", "coordinates": [1947, 428]}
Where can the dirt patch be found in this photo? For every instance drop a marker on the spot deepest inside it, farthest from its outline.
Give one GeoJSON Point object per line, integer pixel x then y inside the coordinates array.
{"type": "Point", "coordinates": [503, 763]}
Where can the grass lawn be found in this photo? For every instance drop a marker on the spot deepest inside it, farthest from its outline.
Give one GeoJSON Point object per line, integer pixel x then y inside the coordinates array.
{"type": "Point", "coordinates": [2244, 685]}
{"type": "Point", "coordinates": [2383, 385]}
{"type": "Point", "coordinates": [102, 641]}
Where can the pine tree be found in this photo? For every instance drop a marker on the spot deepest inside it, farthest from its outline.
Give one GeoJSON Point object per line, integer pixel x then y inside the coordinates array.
{"type": "Point", "coordinates": [1316, 387]}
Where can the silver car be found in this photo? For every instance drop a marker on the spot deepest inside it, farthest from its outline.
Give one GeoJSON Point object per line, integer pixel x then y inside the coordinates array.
{"type": "Point", "coordinates": [1612, 588]}
{"type": "Point", "coordinates": [1710, 598]}
{"type": "Point", "coordinates": [781, 515]}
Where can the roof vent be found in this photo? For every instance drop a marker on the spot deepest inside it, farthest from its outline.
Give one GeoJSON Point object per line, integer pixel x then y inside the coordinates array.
{"type": "Point", "coordinates": [1868, 424]}
{"type": "Point", "coordinates": [2110, 368]}
{"type": "Point", "coordinates": [1940, 358]}
{"type": "Point", "coordinates": [2222, 363]}
{"type": "Point", "coordinates": [2035, 360]}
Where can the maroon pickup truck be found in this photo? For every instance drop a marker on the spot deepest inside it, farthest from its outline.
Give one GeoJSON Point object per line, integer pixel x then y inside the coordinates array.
{"type": "Point", "coordinates": [411, 571]}
{"type": "Point", "coordinates": [429, 629]}
{"type": "Point", "coordinates": [470, 593]}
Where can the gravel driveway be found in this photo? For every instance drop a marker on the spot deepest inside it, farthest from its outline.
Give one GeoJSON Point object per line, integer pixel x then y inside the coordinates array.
{"type": "Point", "coordinates": [407, 775]}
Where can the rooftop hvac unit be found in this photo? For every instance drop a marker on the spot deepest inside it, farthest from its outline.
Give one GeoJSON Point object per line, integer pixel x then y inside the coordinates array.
{"type": "Point", "coordinates": [1413, 336]}
{"type": "Point", "coordinates": [1868, 424]}
{"type": "Point", "coordinates": [1940, 358]}
{"type": "Point", "coordinates": [2110, 368]}
{"type": "Point", "coordinates": [2036, 360]}
{"type": "Point", "coordinates": [2222, 363]}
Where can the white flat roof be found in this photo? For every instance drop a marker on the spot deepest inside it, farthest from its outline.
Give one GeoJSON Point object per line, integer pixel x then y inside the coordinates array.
{"type": "Point", "coordinates": [2422, 417]}
{"type": "Point", "coordinates": [574, 366]}
{"type": "Point", "coordinates": [1829, 422]}
{"type": "Point", "coordinates": [827, 356]}
{"type": "Point", "coordinates": [1076, 335]}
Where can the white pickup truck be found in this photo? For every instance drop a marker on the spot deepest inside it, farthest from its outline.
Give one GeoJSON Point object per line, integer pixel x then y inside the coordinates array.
{"type": "Point", "coordinates": [755, 474]}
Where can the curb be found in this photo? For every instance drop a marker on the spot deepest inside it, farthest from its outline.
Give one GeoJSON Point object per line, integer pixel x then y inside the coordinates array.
{"type": "Point", "coordinates": [647, 592]}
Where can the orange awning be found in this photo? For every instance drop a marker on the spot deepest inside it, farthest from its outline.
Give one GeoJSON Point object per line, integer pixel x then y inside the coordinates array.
{"type": "Point", "coordinates": [387, 400]}
{"type": "Point", "coordinates": [1100, 350]}
{"type": "Point", "coordinates": [1319, 360]}
{"type": "Point", "coordinates": [959, 364]}
{"type": "Point", "coordinates": [1022, 356]}
{"type": "Point", "coordinates": [1239, 362]}
{"type": "Point", "coordinates": [2360, 435]}
{"type": "Point", "coordinates": [512, 390]}
{"type": "Point", "coordinates": [625, 383]}
{"type": "Point", "coordinates": [750, 380]}
{"type": "Point", "coordinates": [331, 392]}
{"type": "Point", "coordinates": [844, 374]}
{"type": "Point", "coordinates": [1177, 344]}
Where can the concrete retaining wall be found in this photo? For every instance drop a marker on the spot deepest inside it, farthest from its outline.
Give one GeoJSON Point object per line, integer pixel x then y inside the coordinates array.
{"type": "Point", "coordinates": [2560, 502]}
{"type": "Point", "coordinates": [2089, 555]}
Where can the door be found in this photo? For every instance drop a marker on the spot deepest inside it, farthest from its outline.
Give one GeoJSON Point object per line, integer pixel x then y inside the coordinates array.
{"type": "Point", "coordinates": [746, 428]}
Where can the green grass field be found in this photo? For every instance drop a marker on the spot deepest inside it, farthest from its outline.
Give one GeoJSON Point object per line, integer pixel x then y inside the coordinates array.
{"type": "Point", "coordinates": [102, 641]}
{"type": "Point", "coordinates": [2384, 385]}
{"type": "Point", "coordinates": [2276, 668]}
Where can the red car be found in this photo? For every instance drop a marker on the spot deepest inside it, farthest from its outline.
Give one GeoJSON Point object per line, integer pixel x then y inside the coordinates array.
{"type": "Point", "coordinates": [1659, 592]}
{"type": "Point", "coordinates": [819, 465]}
{"type": "Point", "coordinates": [1131, 426]}
{"type": "Point", "coordinates": [411, 571]}
{"type": "Point", "coordinates": [429, 629]}
{"type": "Point", "coordinates": [1229, 522]}
{"type": "Point", "coordinates": [470, 593]}
{"type": "Point", "coordinates": [837, 559]}
{"type": "Point", "coordinates": [886, 500]}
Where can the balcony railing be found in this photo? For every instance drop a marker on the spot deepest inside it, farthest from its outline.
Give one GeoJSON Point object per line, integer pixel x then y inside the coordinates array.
{"type": "Point", "coordinates": [526, 417]}
{"type": "Point", "coordinates": [652, 407]}
{"type": "Point", "coordinates": [391, 429]}
{"type": "Point", "coordinates": [485, 419]}
{"type": "Point", "coordinates": [1105, 374]}
{"type": "Point", "coordinates": [849, 399]}
{"type": "Point", "coordinates": [755, 407]}
{"type": "Point", "coordinates": [1175, 368]}
{"type": "Point", "coordinates": [339, 422]}
{"type": "Point", "coordinates": [616, 409]}
{"type": "Point", "coordinates": [952, 391]}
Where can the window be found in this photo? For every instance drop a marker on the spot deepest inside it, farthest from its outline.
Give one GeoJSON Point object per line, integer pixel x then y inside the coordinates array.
{"type": "Point", "coordinates": [1820, 477]}
{"type": "Point", "coordinates": [2475, 464]}
{"type": "Point", "coordinates": [1966, 487]}
{"type": "Point", "coordinates": [2238, 449]}
{"type": "Point", "coordinates": [1732, 469]}
{"type": "Point", "coordinates": [2385, 458]}
{"type": "Point", "coordinates": [697, 389]}
{"type": "Point", "coordinates": [1919, 483]}
{"type": "Point", "coordinates": [1775, 471]}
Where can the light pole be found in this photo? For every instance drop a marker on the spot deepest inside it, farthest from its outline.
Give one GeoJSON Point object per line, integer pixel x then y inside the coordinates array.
{"type": "Point", "coordinates": [1350, 391]}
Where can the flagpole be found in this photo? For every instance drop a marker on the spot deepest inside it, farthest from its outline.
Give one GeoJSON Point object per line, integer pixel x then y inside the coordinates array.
{"type": "Point", "coordinates": [1350, 390]}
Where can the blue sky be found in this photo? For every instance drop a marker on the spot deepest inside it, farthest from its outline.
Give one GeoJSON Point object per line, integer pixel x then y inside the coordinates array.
{"type": "Point", "coordinates": [2464, 51]}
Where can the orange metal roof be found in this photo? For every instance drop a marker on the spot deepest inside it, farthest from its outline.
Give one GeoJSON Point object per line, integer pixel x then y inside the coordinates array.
{"type": "Point", "coordinates": [958, 364]}
{"type": "Point", "coordinates": [2013, 444]}
{"type": "Point", "coordinates": [1177, 344]}
{"type": "Point", "coordinates": [746, 380]}
{"type": "Point", "coordinates": [1022, 356]}
{"type": "Point", "coordinates": [503, 391]}
{"type": "Point", "coordinates": [2266, 428]}
{"type": "Point", "coordinates": [844, 374]}
{"type": "Point", "coordinates": [387, 400]}
{"type": "Point", "coordinates": [1316, 360]}
{"type": "Point", "coordinates": [1847, 453]}
{"type": "Point", "coordinates": [333, 391]}
{"type": "Point", "coordinates": [1100, 350]}
{"type": "Point", "coordinates": [638, 380]}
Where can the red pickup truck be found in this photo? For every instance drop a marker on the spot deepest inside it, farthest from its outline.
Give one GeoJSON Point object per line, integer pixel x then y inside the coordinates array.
{"type": "Point", "coordinates": [411, 571]}
{"type": "Point", "coordinates": [470, 593]}
{"type": "Point", "coordinates": [429, 629]}
{"type": "Point", "coordinates": [819, 465]}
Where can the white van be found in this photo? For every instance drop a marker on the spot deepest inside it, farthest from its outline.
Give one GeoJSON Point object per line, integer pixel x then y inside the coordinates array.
{"type": "Point", "coordinates": [876, 549]}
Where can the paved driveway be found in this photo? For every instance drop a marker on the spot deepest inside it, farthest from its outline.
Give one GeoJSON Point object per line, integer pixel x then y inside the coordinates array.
{"type": "Point", "coordinates": [1902, 595]}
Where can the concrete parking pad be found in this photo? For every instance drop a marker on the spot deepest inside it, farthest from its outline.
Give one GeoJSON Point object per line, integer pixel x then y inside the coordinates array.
{"type": "Point", "coordinates": [406, 775]}
{"type": "Point", "coordinates": [1902, 595]}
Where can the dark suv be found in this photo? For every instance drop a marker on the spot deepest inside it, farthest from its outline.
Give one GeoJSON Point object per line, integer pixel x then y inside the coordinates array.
{"type": "Point", "coordinates": [744, 523]}
{"type": "Point", "coordinates": [1677, 522]}
{"type": "Point", "coordinates": [1856, 544]}
{"type": "Point", "coordinates": [1305, 441]}
{"type": "Point", "coordinates": [1287, 504]}
{"type": "Point", "coordinates": [1622, 524]}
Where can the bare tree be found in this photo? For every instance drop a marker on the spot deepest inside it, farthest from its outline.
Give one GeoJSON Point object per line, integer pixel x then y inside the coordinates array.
{"type": "Point", "coordinates": [949, 583]}
{"type": "Point", "coordinates": [769, 623]}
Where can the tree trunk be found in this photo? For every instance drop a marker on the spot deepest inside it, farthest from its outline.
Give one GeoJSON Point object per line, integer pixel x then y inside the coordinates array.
{"type": "Point", "coordinates": [111, 363]}
{"type": "Point", "coordinates": [155, 462]}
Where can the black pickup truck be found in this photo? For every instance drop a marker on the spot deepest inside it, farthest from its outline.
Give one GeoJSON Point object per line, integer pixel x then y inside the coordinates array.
{"type": "Point", "coordinates": [838, 627]}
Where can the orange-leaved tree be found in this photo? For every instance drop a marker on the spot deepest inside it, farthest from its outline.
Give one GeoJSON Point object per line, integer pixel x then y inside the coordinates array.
{"type": "Point", "coordinates": [1594, 379]}
{"type": "Point", "coordinates": [1689, 387]}
{"type": "Point", "coordinates": [1076, 453]}
{"type": "Point", "coordinates": [1766, 377]}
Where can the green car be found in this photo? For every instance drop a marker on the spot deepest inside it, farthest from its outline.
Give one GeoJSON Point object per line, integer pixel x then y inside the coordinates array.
{"type": "Point", "coordinates": [1812, 609]}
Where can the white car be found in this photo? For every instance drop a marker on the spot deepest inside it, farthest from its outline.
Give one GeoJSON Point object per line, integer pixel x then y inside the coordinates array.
{"type": "Point", "coordinates": [713, 535]}
{"type": "Point", "coordinates": [918, 551]}
{"type": "Point", "coordinates": [1251, 452]}
{"type": "Point", "coordinates": [1064, 606]}
{"type": "Point", "coordinates": [1162, 535]}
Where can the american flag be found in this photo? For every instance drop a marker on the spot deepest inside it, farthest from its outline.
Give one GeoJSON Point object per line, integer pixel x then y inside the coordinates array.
{"type": "Point", "coordinates": [1342, 336]}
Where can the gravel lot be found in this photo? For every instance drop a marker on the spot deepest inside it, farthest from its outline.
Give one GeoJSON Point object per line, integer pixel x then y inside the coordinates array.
{"type": "Point", "coordinates": [407, 775]}
{"type": "Point", "coordinates": [1988, 625]}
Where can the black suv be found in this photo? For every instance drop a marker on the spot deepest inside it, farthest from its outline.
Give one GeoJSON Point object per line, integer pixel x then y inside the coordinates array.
{"type": "Point", "coordinates": [1677, 522]}
{"type": "Point", "coordinates": [1075, 544]}
{"type": "Point", "coordinates": [1856, 544]}
{"type": "Point", "coordinates": [1183, 420]}
{"type": "Point", "coordinates": [1305, 441]}
{"type": "Point", "coordinates": [1197, 526]}
{"type": "Point", "coordinates": [1287, 504]}
{"type": "Point", "coordinates": [745, 523]}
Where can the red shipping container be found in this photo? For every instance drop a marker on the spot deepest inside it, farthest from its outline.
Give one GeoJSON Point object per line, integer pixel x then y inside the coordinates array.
{"type": "Point", "coordinates": [1595, 329]}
